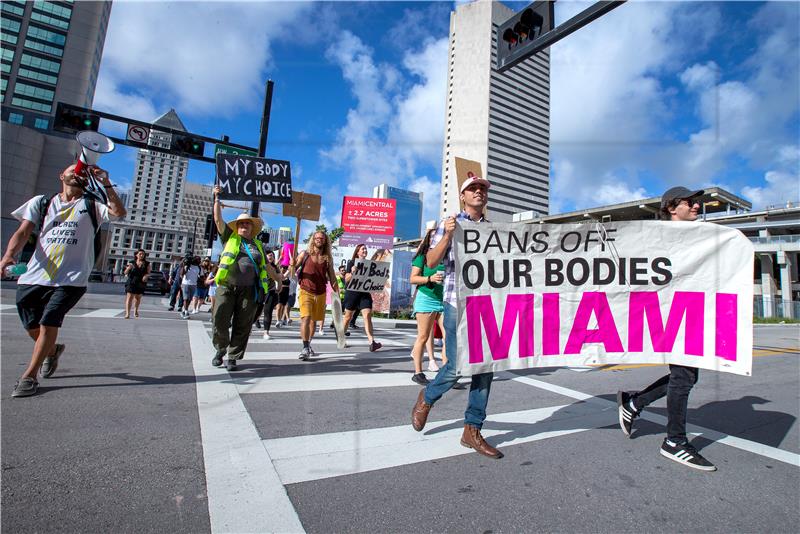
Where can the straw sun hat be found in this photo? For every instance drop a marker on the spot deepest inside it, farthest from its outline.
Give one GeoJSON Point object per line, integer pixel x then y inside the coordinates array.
{"type": "Point", "coordinates": [257, 223]}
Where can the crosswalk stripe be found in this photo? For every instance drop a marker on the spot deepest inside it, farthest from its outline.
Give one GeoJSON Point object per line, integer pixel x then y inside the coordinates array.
{"type": "Point", "coordinates": [239, 471]}
{"type": "Point", "coordinates": [318, 382]}
{"type": "Point", "coordinates": [253, 355]}
{"type": "Point", "coordinates": [315, 457]}
{"type": "Point", "coordinates": [103, 312]}
{"type": "Point", "coordinates": [732, 441]}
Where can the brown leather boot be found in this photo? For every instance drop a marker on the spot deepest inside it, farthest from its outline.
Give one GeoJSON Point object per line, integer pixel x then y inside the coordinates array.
{"type": "Point", "coordinates": [419, 415]}
{"type": "Point", "coordinates": [472, 439]}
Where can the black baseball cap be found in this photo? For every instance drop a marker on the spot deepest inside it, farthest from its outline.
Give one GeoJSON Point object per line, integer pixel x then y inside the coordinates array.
{"type": "Point", "coordinates": [678, 192]}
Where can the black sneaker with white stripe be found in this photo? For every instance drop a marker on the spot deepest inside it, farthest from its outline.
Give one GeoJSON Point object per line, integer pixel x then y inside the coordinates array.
{"type": "Point", "coordinates": [687, 455]}
{"type": "Point", "coordinates": [627, 413]}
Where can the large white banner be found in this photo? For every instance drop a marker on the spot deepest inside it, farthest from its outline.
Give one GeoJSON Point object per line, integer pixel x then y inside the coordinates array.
{"type": "Point", "coordinates": [546, 295]}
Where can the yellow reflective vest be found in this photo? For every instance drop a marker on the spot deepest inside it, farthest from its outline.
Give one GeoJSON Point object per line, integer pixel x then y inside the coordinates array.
{"type": "Point", "coordinates": [229, 254]}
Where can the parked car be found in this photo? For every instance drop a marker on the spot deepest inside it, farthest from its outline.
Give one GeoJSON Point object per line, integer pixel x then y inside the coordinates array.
{"type": "Point", "coordinates": [96, 276]}
{"type": "Point", "coordinates": [156, 283]}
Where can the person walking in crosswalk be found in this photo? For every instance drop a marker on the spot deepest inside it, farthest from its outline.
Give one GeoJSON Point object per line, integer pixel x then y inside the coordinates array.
{"type": "Point", "coordinates": [241, 283]}
{"type": "Point", "coordinates": [677, 204]}
{"type": "Point", "coordinates": [314, 272]}
{"type": "Point", "coordinates": [474, 196]}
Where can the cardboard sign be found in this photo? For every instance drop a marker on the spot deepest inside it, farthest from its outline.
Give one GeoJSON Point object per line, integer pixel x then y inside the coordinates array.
{"type": "Point", "coordinates": [369, 276]}
{"type": "Point", "coordinates": [303, 205]}
{"type": "Point", "coordinates": [549, 295]}
{"type": "Point", "coordinates": [255, 179]}
{"type": "Point", "coordinates": [364, 215]}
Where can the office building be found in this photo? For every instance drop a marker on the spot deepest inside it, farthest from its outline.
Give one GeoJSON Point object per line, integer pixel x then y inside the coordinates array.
{"type": "Point", "coordinates": [166, 214]}
{"type": "Point", "coordinates": [500, 120]}
{"type": "Point", "coordinates": [273, 237]}
{"type": "Point", "coordinates": [51, 53]}
{"type": "Point", "coordinates": [408, 214]}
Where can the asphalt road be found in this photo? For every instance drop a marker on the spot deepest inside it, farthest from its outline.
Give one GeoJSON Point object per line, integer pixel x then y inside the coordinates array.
{"type": "Point", "coordinates": [137, 432]}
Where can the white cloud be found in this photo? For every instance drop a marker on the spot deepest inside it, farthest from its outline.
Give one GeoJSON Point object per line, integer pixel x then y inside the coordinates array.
{"type": "Point", "coordinates": [629, 107]}
{"type": "Point", "coordinates": [780, 188]}
{"type": "Point", "coordinates": [397, 123]}
{"type": "Point", "coordinates": [199, 57]}
{"type": "Point", "coordinates": [752, 119]}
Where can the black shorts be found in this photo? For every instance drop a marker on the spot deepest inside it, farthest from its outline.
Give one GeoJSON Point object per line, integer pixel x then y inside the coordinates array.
{"type": "Point", "coordinates": [46, 305]}
{"type": "Point", "coordinates": [283, 296]}
{"type": "Point", "coordinates": [357, 300]}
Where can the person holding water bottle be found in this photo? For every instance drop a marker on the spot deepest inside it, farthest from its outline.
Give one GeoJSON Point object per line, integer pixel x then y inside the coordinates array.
{"type": "Point", "coordinates": [58, 272]}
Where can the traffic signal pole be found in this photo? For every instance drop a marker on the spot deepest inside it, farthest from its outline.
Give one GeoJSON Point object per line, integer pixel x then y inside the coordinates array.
{"type": "Point", "coordinates": [262, 142]}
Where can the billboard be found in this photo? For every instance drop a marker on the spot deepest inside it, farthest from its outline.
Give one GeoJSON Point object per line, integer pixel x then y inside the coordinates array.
{"type": "Point", "coordinates": [364, 215]}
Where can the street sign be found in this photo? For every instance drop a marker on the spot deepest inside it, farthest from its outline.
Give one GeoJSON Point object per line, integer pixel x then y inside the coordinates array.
{"type": "Point", "coordinates": [137, 134]}
{"type": "Point", "coordinates": [221, 148]}
{"type": "Point", "coordinates": [254, 179]}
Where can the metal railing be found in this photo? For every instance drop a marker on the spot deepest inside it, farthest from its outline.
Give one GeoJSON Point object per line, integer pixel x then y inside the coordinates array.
{"type": "Point", "coordinates": [776, 239]}
{"type": "Point", "coordinates": [771, 307]}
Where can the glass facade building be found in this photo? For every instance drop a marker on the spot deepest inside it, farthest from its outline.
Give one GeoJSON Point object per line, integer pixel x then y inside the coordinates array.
{"type": "Point", "coordinates": [50, 52]}
{"type": "Point", "coordinates": [408, 217]}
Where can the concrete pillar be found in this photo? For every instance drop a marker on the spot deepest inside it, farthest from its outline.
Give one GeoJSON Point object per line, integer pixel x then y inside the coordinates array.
{"type": "Point", "coordinates": [785, 263]}
{"type": "Point", "coordinates": [768, 288]}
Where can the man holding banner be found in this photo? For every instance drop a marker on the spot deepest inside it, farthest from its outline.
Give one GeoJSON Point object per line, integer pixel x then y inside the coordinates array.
{"type": "Point", "coordinates": [474, 196]}
{"type": "Point", "coordinates": [677, 204]}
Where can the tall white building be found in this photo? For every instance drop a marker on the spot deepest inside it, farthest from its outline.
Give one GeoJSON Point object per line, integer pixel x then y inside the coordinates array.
{"type": "Point", "coordinates": [166, 214]}
{"type": "Point", "coordinates": [197, 204]}
{"type": "Point", "coordinates": [499, 120]}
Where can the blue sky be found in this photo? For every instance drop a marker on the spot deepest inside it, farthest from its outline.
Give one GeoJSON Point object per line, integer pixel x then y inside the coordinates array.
{"type": "Point", "coordinates": [650, 95]}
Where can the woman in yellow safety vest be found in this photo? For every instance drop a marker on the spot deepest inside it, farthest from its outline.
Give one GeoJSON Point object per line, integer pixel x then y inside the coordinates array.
{"type": "Point", "coordinates": [241, 284]}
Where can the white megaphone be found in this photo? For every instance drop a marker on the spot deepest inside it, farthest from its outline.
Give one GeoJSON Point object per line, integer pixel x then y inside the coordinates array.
{"type": "Point", "coordinates": [93, 145]}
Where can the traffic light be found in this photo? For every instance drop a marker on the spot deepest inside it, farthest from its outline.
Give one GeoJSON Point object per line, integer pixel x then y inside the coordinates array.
{"type": "Point", "coordinates": [516, 36]}
{"type": "Point", "coordinates": [71, 119]}
{"type": "Point", "coordinates": [210, 233]}
{"type": "Point", "coordinates": [187, 145]}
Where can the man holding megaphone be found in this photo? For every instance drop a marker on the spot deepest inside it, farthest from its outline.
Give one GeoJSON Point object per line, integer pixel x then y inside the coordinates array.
{"type": "Point", "coordinates": [57, 274]}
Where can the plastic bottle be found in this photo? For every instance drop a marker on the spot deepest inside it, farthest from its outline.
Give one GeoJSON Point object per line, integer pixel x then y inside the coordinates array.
{"type": "Point", "coordinates": [16, 270]}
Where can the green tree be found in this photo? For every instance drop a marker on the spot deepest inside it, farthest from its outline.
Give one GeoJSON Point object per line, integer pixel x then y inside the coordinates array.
{"type": "Point", "coordinates": [333, 235]}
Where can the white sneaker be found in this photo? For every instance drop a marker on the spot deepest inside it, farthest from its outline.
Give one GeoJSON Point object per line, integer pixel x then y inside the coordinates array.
{"type": "Point", "coordinates": [432, 366]}
{"type": "Point", "coordinates": [321, 332]}
{"type": "Point", "coordinates": [278, 324]}
{"type": "Point", "coordinates": [195, 312]}
{"type": "Point", "coordinates": [266, 336]}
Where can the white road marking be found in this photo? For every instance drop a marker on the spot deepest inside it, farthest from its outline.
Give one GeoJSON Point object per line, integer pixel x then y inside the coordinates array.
{"type": "Point", "coordinates": [4, 307]}
{"type": "Point", "coordinates": [104, 312]}
{"type": "Point", "coordinates": [719, 437]}
{"type": "Point", "coordinates": [245, 493]}
{"type": "Point", "coordinates": [317, 341]}
{"type": "Point", "coordinates": [314, 457]}
{"type": "Point", "coordinates": [319, 382]}
{"type": "Point", "coordinates": [266, 356]}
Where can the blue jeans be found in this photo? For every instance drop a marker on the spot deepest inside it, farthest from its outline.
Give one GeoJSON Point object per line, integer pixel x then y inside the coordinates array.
{"type": "Point", "coordinates": [447, 377]}
{"type": "Point", "coordinates": [175, 294]}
